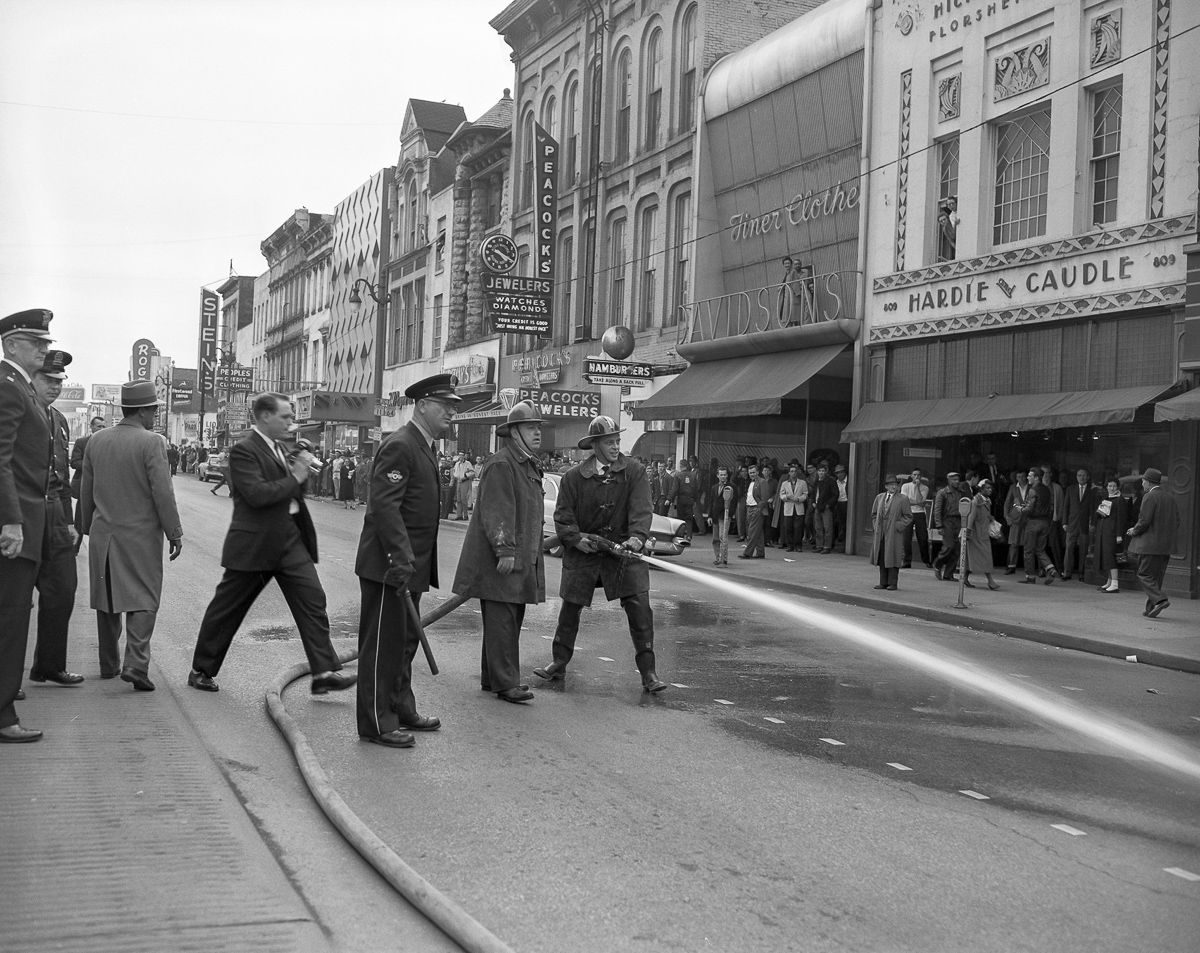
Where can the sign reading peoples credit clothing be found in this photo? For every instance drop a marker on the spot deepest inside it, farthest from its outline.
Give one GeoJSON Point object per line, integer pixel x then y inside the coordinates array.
{"type": "Point", "coordinates": [562, 404]}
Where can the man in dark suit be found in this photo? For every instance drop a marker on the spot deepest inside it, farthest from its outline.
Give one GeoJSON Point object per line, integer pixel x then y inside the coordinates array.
{"type": "Point", "coordinates": [757, 493]}
{"type": "Point", "coordinates": [271, 536]}
{"type": "Point", "coordinates": [57, 577]}
{"type": "Point", "coordinates": [823, 501]}
{"type": "Point", "coordinates": [397, 561]}
{"type": "Point", "coordinates": [1079, 512]}
{"type": "Point", "coordinates": [1152, 538]}
{"type": "Point", "coordinates": [25, 454]}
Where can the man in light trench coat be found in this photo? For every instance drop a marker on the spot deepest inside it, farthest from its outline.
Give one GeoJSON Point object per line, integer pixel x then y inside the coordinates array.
{"type": "Point", "coordinates": [890, 519]}
{"type": "Point", "coordinates": [501, 562]}
{"type": "Point", "coordinates": [128, 506]}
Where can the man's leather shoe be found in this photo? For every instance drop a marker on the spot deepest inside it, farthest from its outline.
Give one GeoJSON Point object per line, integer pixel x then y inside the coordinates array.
{"type": "Point", "coordinates": [332, 682]}
{"type": "Point", "coordinates": [138, 680]}
{"type": "Point", "coordinates": [1010, 570]}
{"type": "Point", "coordinates": [1066, 577]}
{"type": "Point", "coordinates": [59, 678]}
{"type": "Point", "coordinates": [1051, 575]}
{"type": "Point", "coordinates": [516, 695]}
{"type": "Point", "coordinates": [203, 682]}
{"type": "Point", "coordinates": [892, 588]}
{"type": "Point", "coordinates": [880, 587]}
{"type": "Point", "coordinates": [15, 734]}
{"type": "Point", "coordinates": [555, 669]}
{"type": "Point", "coordinates": [744, 556]}
{"type": "Point", "coordinates": [652, 683]}
{"type": "Point", "coordinates": [1029, 581]}
{"type": "Point", "coordinates": [420, 723]}
{"type": "Point", "coordinates": [1158, 607]}
{"type": "Point", "coordinates": [488, 688]}
{"type": "Point", "coordinates": [20, 695]}
{"type": "Point", "coordinates": [392, 739]}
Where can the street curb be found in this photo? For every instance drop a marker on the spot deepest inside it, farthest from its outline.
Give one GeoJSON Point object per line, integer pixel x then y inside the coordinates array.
{"type": "Point", "coordinates": [1063, 640]}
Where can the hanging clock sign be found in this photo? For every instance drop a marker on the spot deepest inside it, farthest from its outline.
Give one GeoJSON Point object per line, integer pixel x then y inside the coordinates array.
{"type": "Point", "coordinates": [499, 253]}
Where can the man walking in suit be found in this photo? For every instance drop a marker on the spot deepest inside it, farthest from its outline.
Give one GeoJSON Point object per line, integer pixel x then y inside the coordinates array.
{"type": "Point", "coordinates": [271, 536]}
{"type": "Point", "coordinates": [25, 518]}
{"type": "Point", "coordinates": [1152, 538]}
{"type": "Point", "coordinates": [397, 562]}
{"type": "Point", "coordinates": [57, 577]}
{"type": "Point", "coordinates": [890, 519]}
{"type": "Point", "coordinates": [1079, 512]}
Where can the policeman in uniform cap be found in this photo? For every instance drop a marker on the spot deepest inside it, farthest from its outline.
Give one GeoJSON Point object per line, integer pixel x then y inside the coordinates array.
{"type": "Point", "coordinates": [397, 561]}
{"type": "Point", "coordinates": [25, 455]}
{"type": "Point", "coordinates": [604, 501]}
{"type": "Point", "coordinates": [57, 577]}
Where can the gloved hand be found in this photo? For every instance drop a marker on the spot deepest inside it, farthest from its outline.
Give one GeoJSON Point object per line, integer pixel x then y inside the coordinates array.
{"type": "Point", "coordinates": [506, 564]}
{"type": "Point", "coordinates": [633, 544]}
{"type": "Point", "coordinates": [585, 545]}
{"type": "Point", "coordinates": [397, 578]}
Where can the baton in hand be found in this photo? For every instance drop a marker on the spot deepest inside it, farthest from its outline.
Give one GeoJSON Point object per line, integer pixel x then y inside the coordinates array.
{"type": "Point", "coordinates": [414, 619]}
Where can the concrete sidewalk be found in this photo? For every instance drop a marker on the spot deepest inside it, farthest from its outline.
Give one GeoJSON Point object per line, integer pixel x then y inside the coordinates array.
{"type": "Point", "coordinates": [118, 833]}
{"type": "Point", "coordinates": [1069, 614]}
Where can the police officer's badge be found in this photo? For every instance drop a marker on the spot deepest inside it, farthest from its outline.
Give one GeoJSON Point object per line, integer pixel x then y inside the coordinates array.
{"type": "Point", "coordinates": [395, 476]}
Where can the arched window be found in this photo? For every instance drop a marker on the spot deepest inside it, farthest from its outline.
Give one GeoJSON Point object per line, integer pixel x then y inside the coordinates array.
{"type": "Point", "coordinates": [654, 90]}
{"type": "Point", "coordinates": [687, 69]}
{"type": "Point", "coordinates": [527, 164]}
{"type": "Point", "coordinates": [681, 253]}
{"type": "Point", "coordinates": [622, 105]}
{"type": "Point", "coordinates": [550, 116]}
{"type": "Point", "coordinates": [415, 229]}
{"type": "Point", "coordinates": [566, 271]}
{"type": "Point", "coordinates": [615, 257]}
{"type": "Point", "coordinates": [648, 249]}
{"type": "Point", "coordinates": [570, 143]}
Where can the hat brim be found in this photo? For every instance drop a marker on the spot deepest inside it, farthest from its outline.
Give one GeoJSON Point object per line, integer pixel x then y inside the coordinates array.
{"type": "Point", "coordinates": [57, 375]}
{"type": "Point", "coordinates": [140, 405]}
{"type": "Point", "coordinates": [504, 429]}
{"type": "Point", "coordinates": [585, 443]}
{"type": "Point", "coordinates": [30, 333]}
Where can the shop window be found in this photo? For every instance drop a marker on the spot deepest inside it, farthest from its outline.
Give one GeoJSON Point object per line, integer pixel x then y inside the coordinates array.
{"type": "Point", "coordinates": [947, 199]}
{"type": "Point", "coordinates": [681, 254]}
{"type": "Point", "coordinates": [615, 258]}
{"type": "Point", "coordinates": [623, 104]}
{"type": "Point", "coordinates": [439, 248]}
{"type": "Point", "coordinates": [687, 70]}
{"type": "Point", "coordinates": [1106, 152]}
{"type": "Point", "coordinates": [395, 326]}
{"type": "Point", "coordinates": [436, 346]}
{"type": "Point", "coordinates": [653, 76]}
{"type": "Point", "coordinates": [570, 145]}
{"type": "Point", "coordinates": [527, 148]}
{"type": "Point", "coordinates": [1022, 176]}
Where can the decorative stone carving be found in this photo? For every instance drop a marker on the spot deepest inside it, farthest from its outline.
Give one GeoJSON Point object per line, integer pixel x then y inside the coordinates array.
{"type": "Point", "coordinates": [1158, 136]}
{"type": "Point", "coordinates": [1021, 70]}
{"type": "Point", "coordinates": [902, 167]}
{"type": "Point", "coordinates": [949, 97]}
{"type": "Point", "coordinates": [1106, 39]}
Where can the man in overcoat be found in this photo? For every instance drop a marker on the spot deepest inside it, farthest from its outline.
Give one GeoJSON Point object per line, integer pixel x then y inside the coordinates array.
{"type": "Point", "coordinates": [890, 519]}
{"type": "Point", "coordinates": [397, 561]}
{"type": "Point", "coordinates": [271, 536]}
{"type": "Point", "coordinates": [57, 577]}
{"type": "Point", "coordinates": [604, 501]}
{"type": "Point", "coordinates": [501, 563]}
{"type": "Point", "coordinates": [25, 452]}
{"type": "Point", "coordinates": [95, 424]}
{"type": "Point", "coordinates": [128, 507]}
{"type": "Point", "coordinates": [1152, 538]}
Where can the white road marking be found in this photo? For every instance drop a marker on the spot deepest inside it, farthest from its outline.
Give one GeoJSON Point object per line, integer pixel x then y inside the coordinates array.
{"type": "Point", "coordinates": [1180, 872]}
{"type": "Point", "coordinates": [774, 721]}
{"type": "Point", "coordinates": [677, 685]}
{"type": "Point", "coordinates": [605, 658]}
{"type": "Point", "coordinates": [975, 794]}
{"type": "Point", "coordinates": [1015, 675]}
{"type": "Point", "coordinates": [1071, 688]}
{"type": "Point", "coordinates": [722, 701]}
{"type": "Point", "coordinates": [898, 766]}
{"type": "Point", "coordinates": [547, 637]}
{"type": "Point", "coordinates": [833, 741]}
{"type": "Point", "coordinates": [1068, 829]}
{"type": "Point", "coordinates": [784, 698]}
{"type": "Point", "coordinates": [1194, 717]}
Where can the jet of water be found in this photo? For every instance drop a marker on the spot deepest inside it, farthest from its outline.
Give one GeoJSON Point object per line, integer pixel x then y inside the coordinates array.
{"type": "Point", "coordinates": [1129, 738]}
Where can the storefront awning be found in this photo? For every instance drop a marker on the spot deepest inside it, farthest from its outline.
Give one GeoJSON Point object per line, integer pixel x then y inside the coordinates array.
{"type": "Point", "coordinates": [737, 386]}
{"type": "Point", "coordinates": [1184, 407]}
{"type": "Point", "coordinates": [952, 417]}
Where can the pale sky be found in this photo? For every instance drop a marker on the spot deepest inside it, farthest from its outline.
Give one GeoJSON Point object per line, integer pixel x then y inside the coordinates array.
{"type": "Point", "coordinates": [158, 139]}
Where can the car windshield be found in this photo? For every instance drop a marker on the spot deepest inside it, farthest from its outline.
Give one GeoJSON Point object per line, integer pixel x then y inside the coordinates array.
{"type": "Point", "coordinates": [551, 488]}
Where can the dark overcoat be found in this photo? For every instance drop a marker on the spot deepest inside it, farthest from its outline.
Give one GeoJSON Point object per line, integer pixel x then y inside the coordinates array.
{"type": "Point", "coordinates": [979, 541]}
{"type": "Point", "coordinates": [128, 508]}
{"type": "Point", "coordinates": [25, 453]}
{"type": "Point", "coordinates": [507, 521]}
{"type": "Point", "coordinates": [400, 527]}
{"type": "Point", "coordinates": [616, 509]}
{"type": "Point", "coordinates": [1158, 518]}
{"type": "Point", "coordinates": [889, 528]}
{"type": "Point", "coordinates": [62, 463]}
{"type": "Point", "coordinates": [262, 489]}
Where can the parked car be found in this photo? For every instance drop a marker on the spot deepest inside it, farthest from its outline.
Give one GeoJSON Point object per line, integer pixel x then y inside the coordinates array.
{"type": "Point", "coordinates": [215, 468]}
{"type": "Point", "coordinates": [666, 531]}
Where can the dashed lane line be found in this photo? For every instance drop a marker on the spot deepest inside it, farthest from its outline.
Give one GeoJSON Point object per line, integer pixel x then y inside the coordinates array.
{"type": "Point", "coordinates": [1068, 829]}
{"type": "Point", "coordinates": [898, 766]}
{"type": "Point", "coordinates": [774, 721]}
{"type": "Point", "coordinates": [1071, 688]}
{"type": "Point", "coordinates": [678, 685]}
{"type": "Point", "coordinates": [605, 658]}
{"type": "Point", "coordinates": [975, 794]}
{"type": "Point", "coordinates": [834, 741]}
{"type": "Point", "coordinates": [722, 701]}
{"type": "Point", "coordinates": [1181, 873]}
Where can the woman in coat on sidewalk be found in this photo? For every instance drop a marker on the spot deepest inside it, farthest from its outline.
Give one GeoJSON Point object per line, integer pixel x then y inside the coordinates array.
{"type": "Point", "coordinates": [502, 562]}
{"type": "Point", "coordinates": [979, 540]}
{"type": "Point", "coordinates": [1113, 519]}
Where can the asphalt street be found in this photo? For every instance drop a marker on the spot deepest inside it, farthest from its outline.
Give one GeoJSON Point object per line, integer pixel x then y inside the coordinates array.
{"type": "Point", "coordinates": [791, 791]}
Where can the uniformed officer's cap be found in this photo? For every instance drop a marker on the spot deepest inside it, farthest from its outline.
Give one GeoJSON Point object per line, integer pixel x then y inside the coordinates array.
{"type": "Point", "coordinates": [439, 386]}
{"type": "Point", "coordinates": [34, 323]}
{"type": "Point", "coordinates": [55, 364]}
{"type": "Point", "coordinates": [952, 476]}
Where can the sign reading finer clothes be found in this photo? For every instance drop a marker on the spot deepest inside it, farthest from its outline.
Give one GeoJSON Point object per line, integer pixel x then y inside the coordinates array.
{"type": "Point", "coordinates": [562, 404]}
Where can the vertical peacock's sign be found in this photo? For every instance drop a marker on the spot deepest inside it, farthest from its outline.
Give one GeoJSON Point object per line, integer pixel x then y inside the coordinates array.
{"type": "Point", "coordinates": [545, 201]}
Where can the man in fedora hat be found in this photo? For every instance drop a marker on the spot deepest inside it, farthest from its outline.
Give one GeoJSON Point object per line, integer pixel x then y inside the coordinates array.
{"type": "Point", "coordinates": [128, 507]}
{"type": "Point", "coordinates": [270, 536]}
{"type": "Point", "coordinates": [397, 561]}
{"type": "Point", "coordinates": [1151, 539]}
{"type": "Point", "coordinates": [890, 519]}
{"type": "Point", "coordinates": [57, 577]}
{"type": "Point", "coordinates": [604, 501]}
{"type": "Point", "coordinates": [501, 563]}
{"type": "Point", "coordinates": [24, 509]}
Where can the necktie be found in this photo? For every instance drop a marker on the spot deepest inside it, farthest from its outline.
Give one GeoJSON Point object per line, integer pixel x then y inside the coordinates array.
{"type": "Point", "coordinates": [281, 456]}
{"type": "Point", "coordinates": [1081, 494]}
{"type": "Point", "coordinates": [888, 501]}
